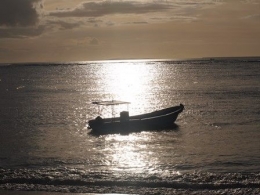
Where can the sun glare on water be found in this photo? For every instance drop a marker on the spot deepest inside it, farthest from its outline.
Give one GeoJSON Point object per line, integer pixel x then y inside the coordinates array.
{"type": "Point", "coordinates": [126, 153]}
{"type": "Point", "coordinates": [127, 81]}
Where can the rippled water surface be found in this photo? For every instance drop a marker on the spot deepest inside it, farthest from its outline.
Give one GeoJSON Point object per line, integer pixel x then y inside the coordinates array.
{"type": "Point", "coordinates": [45, 143]}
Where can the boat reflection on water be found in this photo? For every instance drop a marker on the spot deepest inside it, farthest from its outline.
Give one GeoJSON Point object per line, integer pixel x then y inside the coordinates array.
{"type": "Point", "coordinates": [157, 120]}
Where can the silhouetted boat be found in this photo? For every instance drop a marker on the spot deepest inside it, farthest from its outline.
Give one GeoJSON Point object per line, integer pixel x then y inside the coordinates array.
{"type": "Point", "coordinates": [156, 120]}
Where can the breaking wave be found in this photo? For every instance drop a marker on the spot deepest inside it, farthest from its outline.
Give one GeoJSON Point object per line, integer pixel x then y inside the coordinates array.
{"type": "Point", "coordinates": [52, 180]}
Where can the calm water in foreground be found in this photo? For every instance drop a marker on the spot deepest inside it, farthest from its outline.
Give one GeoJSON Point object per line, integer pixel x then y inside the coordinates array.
{"type": "Point", "coordinates": [45, 145]}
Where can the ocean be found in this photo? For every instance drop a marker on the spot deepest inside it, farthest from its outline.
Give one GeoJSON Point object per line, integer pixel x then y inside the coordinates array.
{"type": "Point", "coordinates": [46, 147]}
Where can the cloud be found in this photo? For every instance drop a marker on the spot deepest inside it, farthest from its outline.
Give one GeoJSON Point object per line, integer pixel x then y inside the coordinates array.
{"type": "Point", "coordinates": [93, 9]}
{"type": "Point", "coordinates": [94, 41]}
{"type": "Point", "coordinates": [18, 13]}
{"type": "Point", "coordinates": [253, 17]}
{"type": "Point", "coordinates": [62, 25]}
{"type": "Point", "coordinates": [21, 32]}
{"type": "Point", "coordinates": [5, 50]}
{"type": "Point", "coordinates": [153, 11]}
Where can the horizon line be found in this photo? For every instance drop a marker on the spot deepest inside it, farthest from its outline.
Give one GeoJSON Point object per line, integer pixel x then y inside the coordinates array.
{"type": "Point", "coordinates": [118, 60]}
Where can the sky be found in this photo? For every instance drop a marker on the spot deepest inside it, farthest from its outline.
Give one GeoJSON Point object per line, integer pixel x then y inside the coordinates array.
{"type": "Point", "coordinates": [88, 30]}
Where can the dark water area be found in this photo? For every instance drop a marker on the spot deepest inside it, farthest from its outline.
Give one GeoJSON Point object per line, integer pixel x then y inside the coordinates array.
{"type": "Point", "coordinates": [46, 146]}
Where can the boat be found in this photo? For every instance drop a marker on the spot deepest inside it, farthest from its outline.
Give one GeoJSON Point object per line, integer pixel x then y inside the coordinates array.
{"type": "Point", "coordinates": [157, 120]}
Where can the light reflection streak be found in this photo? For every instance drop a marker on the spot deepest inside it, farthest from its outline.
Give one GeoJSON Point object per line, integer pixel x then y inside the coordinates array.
{"type": "Point", "coordinates": [129, 153]}
{"type": "Point", "coordinates": [138, 83]}
{"type": "Point", "coordinates": [127, 81]}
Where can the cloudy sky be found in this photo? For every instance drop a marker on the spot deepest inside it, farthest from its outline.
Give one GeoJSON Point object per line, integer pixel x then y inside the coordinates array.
{"type": "Point", "coordinates": [78, 30]}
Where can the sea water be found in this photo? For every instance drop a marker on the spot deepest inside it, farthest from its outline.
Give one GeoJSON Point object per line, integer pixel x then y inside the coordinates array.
{"type": "Point", "coordinates": [45, 144]}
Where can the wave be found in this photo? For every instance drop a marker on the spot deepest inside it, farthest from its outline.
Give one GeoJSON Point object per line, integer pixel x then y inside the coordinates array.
{"type": "Point", "coordinates": [149, 184]}
{"type": "Point", "coordinates": [77, 178]}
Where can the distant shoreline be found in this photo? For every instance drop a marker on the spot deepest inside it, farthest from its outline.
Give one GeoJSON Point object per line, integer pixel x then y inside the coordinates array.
{"type": "Point", "coordinates": [246, 58]}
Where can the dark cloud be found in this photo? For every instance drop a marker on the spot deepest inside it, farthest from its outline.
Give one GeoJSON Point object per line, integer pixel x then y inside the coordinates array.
{"type": "Point", "coordinates": [4, 50]}
{"type": "Point", "coordinates": [64, 25]}
{"type": "Point", "coordinates": [20, 32]}
{"type": "Point", "coordinates": [18, 13]}
{"type": "Point", "coordinates": [93, 9]}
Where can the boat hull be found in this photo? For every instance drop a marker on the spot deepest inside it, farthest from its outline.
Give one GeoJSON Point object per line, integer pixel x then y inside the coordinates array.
{"type": "Point", "coordinates": [157, 120]}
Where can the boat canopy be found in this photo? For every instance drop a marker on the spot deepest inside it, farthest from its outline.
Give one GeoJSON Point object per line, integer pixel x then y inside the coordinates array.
{"type": "Point", "coordinates": [110, 103]}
